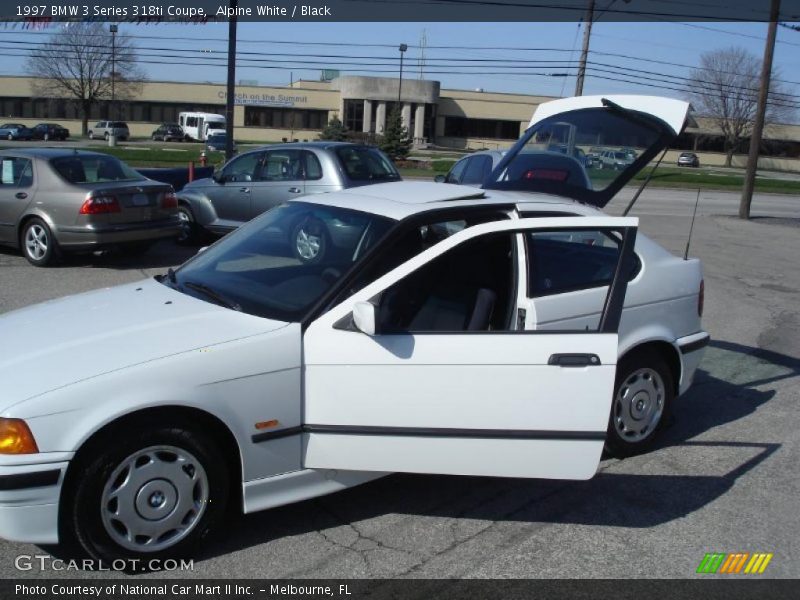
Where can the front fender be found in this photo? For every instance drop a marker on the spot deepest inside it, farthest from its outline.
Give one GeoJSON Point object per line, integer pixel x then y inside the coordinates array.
{"type": "Point", "coordinates": [202, 208]}
{"type": "Point", "coordinates": [241, 383]}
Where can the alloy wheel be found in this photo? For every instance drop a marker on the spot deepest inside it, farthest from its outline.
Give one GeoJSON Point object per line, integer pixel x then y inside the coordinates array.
{"type": "Point", "coordinates": [36, 242]}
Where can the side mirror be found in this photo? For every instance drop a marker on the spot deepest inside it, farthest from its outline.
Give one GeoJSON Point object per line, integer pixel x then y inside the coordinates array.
{"type": "Point", "coordinates": [364, 317]}
{"type": "Point", "coordinates": [440, 178]}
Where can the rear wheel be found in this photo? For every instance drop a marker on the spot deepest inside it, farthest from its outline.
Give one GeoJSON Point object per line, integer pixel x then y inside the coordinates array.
{"type": "Point", "coordinates": [106, 136]}
{"type": "Point", "coordinates": [46, 137]}
{"type": "Point", "coordinates": [151, 494]}
{"type": "Point", "coordinates": [310, 240]}
{"type": "Point", "coordinates": [91, 135]}
{"type": "Point", "coordinates": [643, 395]}
{"type": "Point", "coordinates": [10, 137]}
{"type": "Point", "coordinates": [190, 231]}
{"type": "Point", "coordinates": [38, 244]}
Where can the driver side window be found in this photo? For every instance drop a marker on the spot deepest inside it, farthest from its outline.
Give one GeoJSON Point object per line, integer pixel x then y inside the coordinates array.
{"type": "Point", "coordinates": [242, 168]}
{"type": "Point", "coordinates": [468, 289]}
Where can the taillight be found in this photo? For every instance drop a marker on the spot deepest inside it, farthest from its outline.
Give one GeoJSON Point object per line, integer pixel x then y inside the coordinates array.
{"type": "Point", "coordinates": [701, 298]}
{"type": "Point", "coordinates": [100, 205]}
{"type": "Point", "coordinates": [170, 200]}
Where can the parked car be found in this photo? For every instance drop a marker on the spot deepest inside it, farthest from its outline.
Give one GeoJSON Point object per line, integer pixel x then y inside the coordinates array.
{"type": "Point", "coordinates": [688, 159]}
{"type": "Point", "coordinates": [15, 131]}
{"type": "Point", "coordinates": [476, 168]}
{"type": "Point", "coordinates": [216, 142]}
{"type": "Point", "coordinates": [442, 329]}
{"type": "Point", "coordinates": [257, 180]}
{"type": "Point", "coordinates": [614, 159]}
{"type": "Point", "coordinates": [50, 131]}
{"type": "Point", "coordinates": [105, 129]}
{"type": "Point", "coordinates": [57, 200]}
{"type": "Point", "coordinates": [169, 132]}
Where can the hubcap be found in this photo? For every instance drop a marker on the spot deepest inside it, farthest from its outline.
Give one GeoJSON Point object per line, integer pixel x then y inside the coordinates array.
{"type": "Point", "coordinates": [308, 244]}
{"type": "Point", "coordinates": [36, 242]}
{"type": "Point", "coordinates": [638, 405]}
{"type": "Point", "coordinates": [154, 498]}
{"type": "Point", "coordinates": [186, 225]}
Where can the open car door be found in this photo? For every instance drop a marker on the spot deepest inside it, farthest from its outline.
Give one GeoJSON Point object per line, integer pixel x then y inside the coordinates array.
{"type": "Point", "coordinates": [588, 147]}
{"type": "Point", "coordinates": [427, 369]}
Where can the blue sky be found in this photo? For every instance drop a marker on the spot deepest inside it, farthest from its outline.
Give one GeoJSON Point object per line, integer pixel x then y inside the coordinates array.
{"type": "Point", "coordinates": [667, 42]}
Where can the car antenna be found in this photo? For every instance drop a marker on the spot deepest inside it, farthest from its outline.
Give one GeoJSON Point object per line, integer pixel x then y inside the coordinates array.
{"type": "Point", "coordinates": [644, 184]}
{"type": "Point", "coordinates": [691, 227]}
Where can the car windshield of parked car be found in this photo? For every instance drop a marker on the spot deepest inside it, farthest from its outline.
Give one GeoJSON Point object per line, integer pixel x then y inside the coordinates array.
{"type": "Point", "coordinates": [366, 164]}
{"type": "Point", "coordinates": [94, 169]}
{"type": "Point", "coordinates": [280, 264]}
{"type": "Point", "coordinates": [598, 131]}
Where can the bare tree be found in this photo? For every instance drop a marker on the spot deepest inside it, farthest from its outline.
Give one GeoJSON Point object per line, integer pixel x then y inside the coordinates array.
{"type": "Point", "coordinates": [76, 63]}
{"type": "Point", "coordinates": [725, 88]}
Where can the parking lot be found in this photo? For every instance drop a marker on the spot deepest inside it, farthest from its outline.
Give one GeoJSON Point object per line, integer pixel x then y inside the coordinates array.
{"type": "Point", "coordinates": [723, 477]}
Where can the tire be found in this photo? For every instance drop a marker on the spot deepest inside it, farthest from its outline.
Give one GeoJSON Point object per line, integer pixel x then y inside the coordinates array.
{"type": "Point", "coordinates": [91, 135]}
{"type": "Point", "coordinates": [106, 136]}
{"type": "Point", "coordinates": [46, 137]}
{"type": "Point", "coordinates": [38, 244]}
{"type": "Point", "coordinates": [644, 391]}
{"type": "Point", "coordinates": [310, 241]}
{"type": "Point", "coordinates": [10, 137]}
{"type": "Point", "coordinates": [150, 493]}
{"type": "Point", "coordinates": [190, 232]}
{"type": "Point", "coordinates": [154, 137]}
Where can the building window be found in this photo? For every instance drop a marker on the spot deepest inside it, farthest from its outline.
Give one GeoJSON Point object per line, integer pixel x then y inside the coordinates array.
{"type": "Point", "coordinates": [354, 115]}
{"type": "Point", "coordinates": [481, 128]}
{"type": "Point", "coordinates": [284, 118]}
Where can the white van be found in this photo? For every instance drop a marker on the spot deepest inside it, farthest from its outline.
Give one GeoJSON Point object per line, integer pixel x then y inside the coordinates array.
{"type": "Point", "coordinates": [199, 125]}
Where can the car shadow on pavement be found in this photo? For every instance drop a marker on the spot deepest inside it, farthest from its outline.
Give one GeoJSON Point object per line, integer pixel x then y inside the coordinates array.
{"type": "Point", "coordinates": [640, 492]}
{"type": "Point", "coordinates": [160, 256]}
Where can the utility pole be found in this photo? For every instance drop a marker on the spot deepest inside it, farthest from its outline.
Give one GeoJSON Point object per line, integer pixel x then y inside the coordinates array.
{"type": "Point", "coordinates": [113, 29]}
{"type": "Point", "coordinates": [758, 126]}
{"type": "Point", "coordinates": [403, 48]}
{"type": "Point", "coordinates": [587, 34]}
{"type": "Point", "coordinates": [231, 88]}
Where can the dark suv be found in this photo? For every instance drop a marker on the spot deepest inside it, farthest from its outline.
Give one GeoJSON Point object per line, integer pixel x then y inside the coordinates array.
{"type": "Point", "coordinates": [50, 131]}
{"type": "Point", "coordinates": [169, 132]}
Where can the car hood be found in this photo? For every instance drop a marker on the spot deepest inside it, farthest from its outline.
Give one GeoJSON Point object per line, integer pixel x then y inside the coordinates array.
{"type": "Point", "coordinates": [57, 343]}
{"type": "Point", "coordinates": [650, 122]}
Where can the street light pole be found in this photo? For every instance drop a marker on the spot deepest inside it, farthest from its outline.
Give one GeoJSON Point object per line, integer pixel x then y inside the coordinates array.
{"type": "Point", "coordinates": [403, 48]}
{"type": "Point", "coordinates": [113, 28]}
{"type": "Point", "coordinates": [231, 87]}
{"type": "Point", "coordinates": [587, 34]}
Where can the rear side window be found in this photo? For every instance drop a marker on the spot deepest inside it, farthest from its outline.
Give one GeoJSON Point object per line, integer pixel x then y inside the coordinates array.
{"type": "Point", "coordinates": [118, 125]}
{"type": "Point", "coordinates": [478, 169]}
{"type": "Point", "coordinates": [366, 164]}
{"type": "Point", "coordinates": [567, 261]}
{"type": "Point", "coordinates": [313, 169]}
{"type": "Point", "coordinates": [16, 172]}
{"type": "Point", "coordinates": [93, 169]}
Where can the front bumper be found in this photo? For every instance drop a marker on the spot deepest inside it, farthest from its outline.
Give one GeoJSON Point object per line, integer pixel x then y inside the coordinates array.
{"type": "Point", "coordinates": [99, 236]}
{"type": "Point", "coordinates": [29, 495]}
{"type": "Point", "coordinates": [692, 347]}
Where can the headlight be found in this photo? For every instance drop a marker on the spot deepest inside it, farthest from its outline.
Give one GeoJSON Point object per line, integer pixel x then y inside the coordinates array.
{"type": "Point", "coordinates": [16, 437]}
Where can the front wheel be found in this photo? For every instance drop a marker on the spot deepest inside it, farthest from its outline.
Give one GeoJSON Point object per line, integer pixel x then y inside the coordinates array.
{"type": "Point", "coordinates": [10, 137]}
{"type": "Point", "coordinates": [643, 395]}
{"type": "Point", "coordinates": [105, 136]}
{"type": "Point", "coordinates": [149, 495]}
{"type": "Point", "coordinates": [46, 137]}
{"type": "Point", "coordinates": [38, 244]}
{"type": "Point", "coordinates": [91, 135]}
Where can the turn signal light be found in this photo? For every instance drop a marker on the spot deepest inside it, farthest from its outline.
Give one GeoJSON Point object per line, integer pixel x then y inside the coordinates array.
{"type": "Point", "coordinates": [16, 438]}
{"type": "Point", "coordinates": [170, 200]}
{"type": "Point", "coordinates": [100, 205]}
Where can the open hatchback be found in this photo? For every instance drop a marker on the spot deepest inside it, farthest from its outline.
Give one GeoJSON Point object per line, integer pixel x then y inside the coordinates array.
{"type": "Point", "coordinates": [602, 140]}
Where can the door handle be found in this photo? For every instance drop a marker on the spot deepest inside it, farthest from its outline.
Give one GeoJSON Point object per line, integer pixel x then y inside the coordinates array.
{"type": "Point", "coordinates": [295, 190]}
{"type": "Point", "coordinates": [21, 195]}
{"type": "Point", "coordinates": [244, 190]}
{"type": "Point", "coordinates": [574, 360]}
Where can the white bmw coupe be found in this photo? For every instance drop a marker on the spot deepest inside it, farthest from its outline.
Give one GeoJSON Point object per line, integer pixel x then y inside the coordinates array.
{"type": "Point", "coordinates": [513, 330]}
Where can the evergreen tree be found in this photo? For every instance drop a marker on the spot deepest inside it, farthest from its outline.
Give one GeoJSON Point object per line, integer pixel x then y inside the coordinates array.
{"type": "Point", "coordinates": [396, 142]}
{"type": "Point", "coordinates": [334, 131]}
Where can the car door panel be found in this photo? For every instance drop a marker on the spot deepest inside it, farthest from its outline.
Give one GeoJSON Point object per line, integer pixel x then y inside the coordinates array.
{"type": "Point", "coordinates": [16, 193]}
{"type": "Point", "coordinates": [469, 403]}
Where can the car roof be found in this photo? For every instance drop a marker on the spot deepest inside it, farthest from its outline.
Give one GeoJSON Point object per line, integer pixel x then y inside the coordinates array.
{"type": "Point", "coordinates": [402, 199]}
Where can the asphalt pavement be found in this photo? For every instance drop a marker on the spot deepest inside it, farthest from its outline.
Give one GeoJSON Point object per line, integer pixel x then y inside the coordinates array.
{"type": "Point", "coordinates": [723, 477]}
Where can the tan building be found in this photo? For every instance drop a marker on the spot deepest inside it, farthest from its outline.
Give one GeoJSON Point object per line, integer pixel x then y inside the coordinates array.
{"type": "Point", "coordinates": [458, 119]}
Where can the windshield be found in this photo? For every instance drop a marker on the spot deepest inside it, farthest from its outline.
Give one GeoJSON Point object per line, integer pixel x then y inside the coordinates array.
{"type": "Point", "coordinates": [366, 164]}
{"type": "Point", "coordinates": [94, 169]}
{"type": "Point", "coordinates": [536, 166]}
{"type": "Point", "coordinates": [280, 264]}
